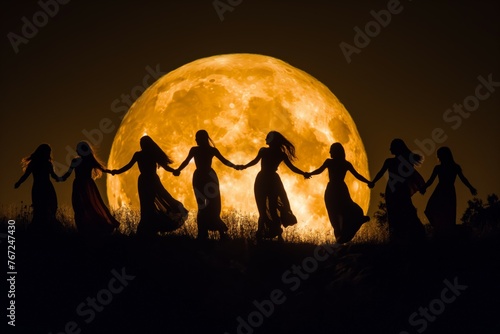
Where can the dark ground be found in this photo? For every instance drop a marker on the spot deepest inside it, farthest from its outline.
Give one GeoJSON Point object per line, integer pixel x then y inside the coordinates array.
{"type": "Point", "coordinates": [181, 286]}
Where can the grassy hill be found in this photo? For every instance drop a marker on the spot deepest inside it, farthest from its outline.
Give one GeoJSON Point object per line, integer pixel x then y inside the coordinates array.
{"type": "Point", "coordinates": [174, 284]}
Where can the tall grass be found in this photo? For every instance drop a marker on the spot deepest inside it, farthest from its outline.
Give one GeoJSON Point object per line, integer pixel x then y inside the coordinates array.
{"type": "Point", "coordinates": [241, 225]}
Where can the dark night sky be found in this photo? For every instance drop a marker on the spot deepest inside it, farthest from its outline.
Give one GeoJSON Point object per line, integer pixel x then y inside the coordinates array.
{"type": "Point", "coordinates": [428, 58]}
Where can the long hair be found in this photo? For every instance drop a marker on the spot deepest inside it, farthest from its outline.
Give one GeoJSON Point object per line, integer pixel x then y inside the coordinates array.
{"type": "Point", "coordinates": [399, 148]}
{"type": "Point", "coordinates": [276, 139]}
{"type": "Point", "coordinates": [150, 147]}
{"type": "Point", "coordinates": [337, 151]}
{"type": "Point", "coordinates": [203, 139]}
{"type": "Point", "coordinates": [86, 152]}
{"type": "Point", "coordinates": [40, 155]}
{"type": "Point", "coordinates": [445, 156]}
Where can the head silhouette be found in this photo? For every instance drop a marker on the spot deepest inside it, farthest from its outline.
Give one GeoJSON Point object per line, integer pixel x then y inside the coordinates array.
{"type": "Point", "coordinates": [41, 154]}
{"type": "Point", "coordinates": [83, 149]}
{"type": "Point", "coordinates": [203, 139]}
{"type": "Point", "coordinates": [337, 151]}
{"type": "Point", "coordinates": [150, 147]}
{"type": "Point", "coordinates": [445, 156]}
{"type": "Point", "coordinates": [86, 152]}
{"type": "Point", "coordinates": [399, 148]}
{"type": "Point", "coordinates": [277, 141]}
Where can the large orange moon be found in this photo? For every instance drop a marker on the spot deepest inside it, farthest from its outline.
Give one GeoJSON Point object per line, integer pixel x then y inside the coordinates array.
{"type": "Point", "coordinates": [238, 99]}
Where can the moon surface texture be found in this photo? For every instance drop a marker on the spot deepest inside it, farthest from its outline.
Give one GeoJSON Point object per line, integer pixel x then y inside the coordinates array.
{"type": "Point", "coordinates": [238, 99]}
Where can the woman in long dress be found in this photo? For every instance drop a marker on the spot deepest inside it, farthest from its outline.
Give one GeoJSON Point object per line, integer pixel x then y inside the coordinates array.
{"type": "Point", "coordinates": [404, 180]}
{"type": "Point", "coordinates": [160, 212]}
{"type": "Point", "coordinates": [206, 185]}
{"type": "Point", "coordinates": [345, 215]}
{"type": "Point", "coordinates": [92, 216]}
{"type": "Point", "coordinates": [441, 208]}
{"type": "Point", "coordinates": [270, 195]}
{"type": "Point", "coordinates": [43, 194]}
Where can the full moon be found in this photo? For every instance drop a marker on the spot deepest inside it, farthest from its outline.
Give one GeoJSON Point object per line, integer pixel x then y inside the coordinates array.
{"type": "Point", "coordinates": [238, 99]}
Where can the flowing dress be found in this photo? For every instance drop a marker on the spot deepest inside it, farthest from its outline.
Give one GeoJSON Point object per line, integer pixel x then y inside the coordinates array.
{"type": "Point", "coordinates": [441, 209]}
{"type": "Point", "coordinates": [160, 212]}
{"type": "Point", "coordinates": [345, 215]}
{"type": "Point", "coordinates": [43, 197]}
{"type": "Point", "coordinates": [271, 198]}
{"type": "Point", "coordinates": [92, 216]}
{"type": "Point", "coordinates": [404, 224]}
{"type": "Point", "coordinates": [207, 192]}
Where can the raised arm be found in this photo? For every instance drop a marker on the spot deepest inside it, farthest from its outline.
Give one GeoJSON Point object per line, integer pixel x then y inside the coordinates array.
{"type": "Point", "coordinates": [168, 169]}
{"type": "Point", "coordinates": [292, 167]}
{"type": "Point", "coordinates": [75, 162]}
{"type": "Point", "coordinates": [462, 177]}
{"type": "Point", "coordinates": [380, 173]}
{"type": "Point", "coordinates": [23, 178]}
{"type": "Point", "coordinates": [320, 169]}
{"type": "Point", "coordinates": [185, 162]}
{"type": "Point", "coordinates": [222, 159]}
{"type": "Point", "coordinates": [432, 178]}
{"type": "Point", "coordinates": [360, 177]}
{"type": "Point", "coordinates": [54, 175]}
{"type": "Point", "coordinates": [254, 161]}
{"type": "Point", "coordinates": [126, 167]}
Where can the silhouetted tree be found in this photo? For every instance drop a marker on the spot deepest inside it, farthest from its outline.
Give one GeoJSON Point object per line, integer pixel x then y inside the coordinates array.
{"type": "Point", "coordinates": [479, 214]}
{"type": "Point", "coordinates": [381, 214]}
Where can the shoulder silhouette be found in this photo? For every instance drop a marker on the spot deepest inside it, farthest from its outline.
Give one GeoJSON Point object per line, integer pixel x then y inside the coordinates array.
{"type": "Point", "coordinates": [345, 215]}
{"type": "Point", "coordinates": [43, 194]}
{"type": "Point", "coordinates": [160, 212]}
{"type": "Point", "coordinates": [270, 195]}
{"type": "Point", "coordinates": [206, 185]}
{"type": "Point", "coordinates": [404, 225]}
{"type": "Point", "coordinates": [92, 216]}
{"type": "Point", "coordinates": [441, 209]}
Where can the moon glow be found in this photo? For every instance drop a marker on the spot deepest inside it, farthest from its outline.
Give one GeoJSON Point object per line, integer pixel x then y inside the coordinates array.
{"type": "Point", "coordinates": [238, 99]}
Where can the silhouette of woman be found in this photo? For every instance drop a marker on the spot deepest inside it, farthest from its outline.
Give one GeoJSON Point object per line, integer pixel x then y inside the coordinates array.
{"type": "Point", "coordinates": [404, 181]}
{"type": "Point", "coordinates": [270, 196]}
{"type": "Point", "coordinates": [92, 217]}
{"type": "Point", "coordinates": [159, 210]}
{"type": "Point", "coordinates": [345, 216]}
{"type": "Point", "coordinates": [441, 208]}
{"type": "Point", "coordinates": [43, 194]}
{"type": "Point", "coordinates": [206, 185]}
